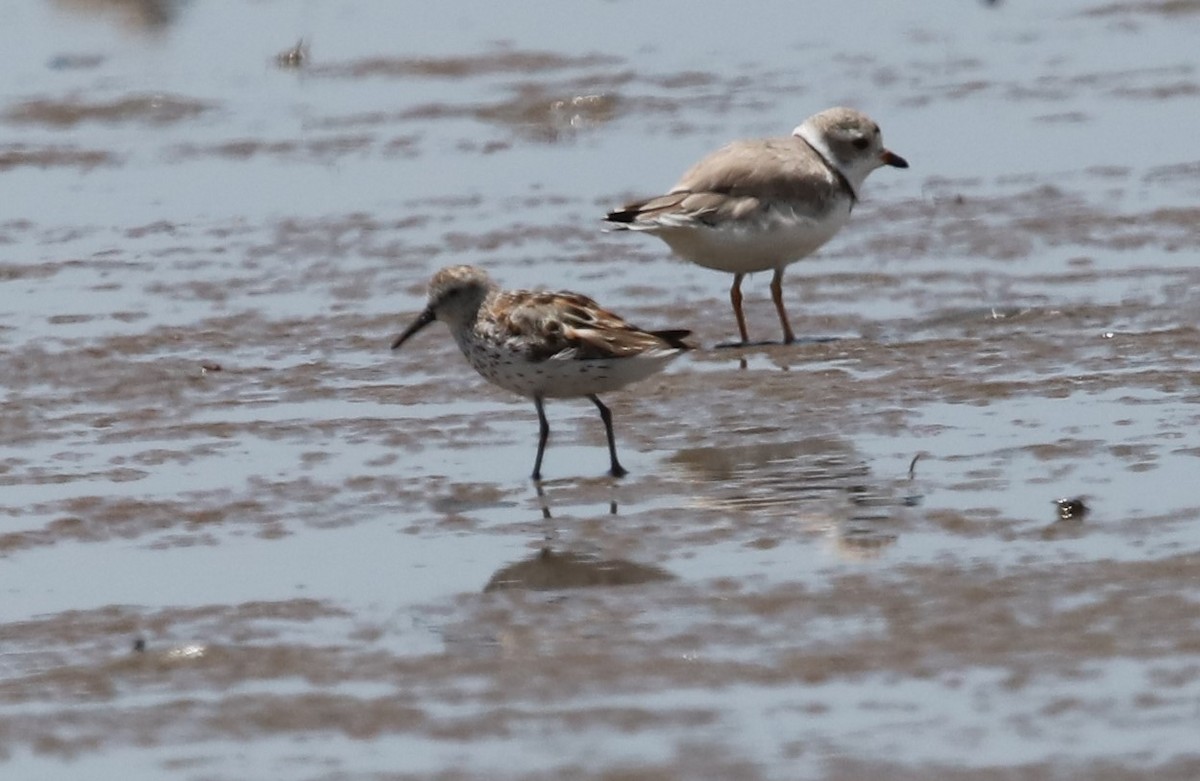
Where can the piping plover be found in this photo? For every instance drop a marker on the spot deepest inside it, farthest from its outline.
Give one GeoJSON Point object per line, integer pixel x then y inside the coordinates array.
{"type": "Point", "coordinates": [762, 204]}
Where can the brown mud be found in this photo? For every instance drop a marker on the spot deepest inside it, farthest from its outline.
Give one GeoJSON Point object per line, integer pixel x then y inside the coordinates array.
{"type": "Point", "coordinates": [241, 538]}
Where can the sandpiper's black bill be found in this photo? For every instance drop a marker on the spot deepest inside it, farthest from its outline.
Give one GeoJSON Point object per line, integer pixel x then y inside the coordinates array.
{"type": "Point", "coordinates": [893, 159]}
{"type": "Point", "coordinates": [424, 319]}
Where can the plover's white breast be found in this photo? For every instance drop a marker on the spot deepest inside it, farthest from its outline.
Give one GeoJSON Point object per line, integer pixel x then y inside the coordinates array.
{"type": "Point", "coordinates": [782, 234]}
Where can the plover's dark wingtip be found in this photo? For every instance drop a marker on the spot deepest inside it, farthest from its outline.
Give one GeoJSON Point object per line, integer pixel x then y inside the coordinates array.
{"type": "Point", "coordinates": [620, 217]}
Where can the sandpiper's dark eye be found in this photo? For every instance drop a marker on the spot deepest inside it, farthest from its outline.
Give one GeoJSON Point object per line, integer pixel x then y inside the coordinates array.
{"type": "Point", "coordinates": [860, 143]}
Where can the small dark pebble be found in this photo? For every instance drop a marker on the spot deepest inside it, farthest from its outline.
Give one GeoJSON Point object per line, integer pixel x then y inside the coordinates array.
{"type": "Point", "coordinates": [1071, 509]}
{"type": "Point", "coordinates": [293, 57]}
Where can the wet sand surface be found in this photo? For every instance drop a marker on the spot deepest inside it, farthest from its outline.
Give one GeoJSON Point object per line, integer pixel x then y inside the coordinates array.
{"type": "Point", "coordinates": [241, 538]}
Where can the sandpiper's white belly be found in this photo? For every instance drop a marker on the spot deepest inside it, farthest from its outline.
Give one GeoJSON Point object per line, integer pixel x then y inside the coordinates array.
{"type": "Point", "coordinates": [563, 376]}
{"type": "Point", "coordinates": [749, 245]}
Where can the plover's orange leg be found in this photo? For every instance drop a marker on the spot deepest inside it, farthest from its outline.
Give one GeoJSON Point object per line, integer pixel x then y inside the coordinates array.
{"type": "Point", "coordinates": [615, 468]}
{"type": "Point", "coordinates": [543, 435]}
{"type": "Point", "coordinates": [735, 298]}
{"type": "Point", "coordinates": [777, 294]}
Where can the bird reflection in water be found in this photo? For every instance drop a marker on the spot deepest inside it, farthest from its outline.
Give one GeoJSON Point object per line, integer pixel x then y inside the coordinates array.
{"type": "Point", "coordinates": [544, 500]}
{"type": "Point", "coordinates": [819, 481]}
{"type": "Point", "coordinates": [770, 354]}
{"type": "Point", "coordinates": [550, 570]}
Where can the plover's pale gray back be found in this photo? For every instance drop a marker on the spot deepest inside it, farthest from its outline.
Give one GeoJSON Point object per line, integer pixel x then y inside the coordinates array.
{"type": "Point", "coordinates": [544, 345]}
{"type": "Point", "coordinates": [758, 205]}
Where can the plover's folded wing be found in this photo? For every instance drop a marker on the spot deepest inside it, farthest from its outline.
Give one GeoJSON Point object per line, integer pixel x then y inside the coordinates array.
{"type": "Point", "coordinates": [740, 181]}
{"type": "Point", "coordinates": [768, 169]}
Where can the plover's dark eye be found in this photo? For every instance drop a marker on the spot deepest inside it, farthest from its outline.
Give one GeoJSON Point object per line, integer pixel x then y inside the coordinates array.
{"type": "Point", "coordinates": [860, 143]}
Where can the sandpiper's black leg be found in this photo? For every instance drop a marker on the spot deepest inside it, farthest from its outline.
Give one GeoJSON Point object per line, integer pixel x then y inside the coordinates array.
{"type": "Point", "coordinates": [543, 435]}
{"type": "Point", "coordinates": [616, 470]}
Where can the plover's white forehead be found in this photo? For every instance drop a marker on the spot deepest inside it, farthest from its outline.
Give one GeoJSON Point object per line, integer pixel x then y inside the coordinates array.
{"type": "Point", "coordinates": [839, 120]}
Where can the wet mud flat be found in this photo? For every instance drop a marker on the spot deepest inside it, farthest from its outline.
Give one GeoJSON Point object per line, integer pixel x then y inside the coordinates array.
{"type": "Point", "coordinates": [241, 538]}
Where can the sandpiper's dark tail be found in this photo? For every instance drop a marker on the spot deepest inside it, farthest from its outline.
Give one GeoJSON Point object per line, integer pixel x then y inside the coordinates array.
{"type": "Point", "coordinates": [675, 338]}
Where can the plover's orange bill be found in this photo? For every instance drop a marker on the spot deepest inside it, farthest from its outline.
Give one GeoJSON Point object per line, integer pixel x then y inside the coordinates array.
{"type": "Point", "coordinates": [762, 204]}
{"type": "Point", "coordinates": [544, 345]}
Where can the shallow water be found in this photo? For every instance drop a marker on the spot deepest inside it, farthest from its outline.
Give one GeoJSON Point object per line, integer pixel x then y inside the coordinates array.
{"type": "Point", "coordinates": [837, 559]}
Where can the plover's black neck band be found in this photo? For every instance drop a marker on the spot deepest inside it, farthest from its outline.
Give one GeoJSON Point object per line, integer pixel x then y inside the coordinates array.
{"type": "Point", "coordinates": [837, 172]}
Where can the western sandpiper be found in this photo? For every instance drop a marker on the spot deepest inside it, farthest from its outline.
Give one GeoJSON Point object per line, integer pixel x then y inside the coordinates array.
{"type": "Point", "coordinates": [763, 204]}
{"type": "Point", "coordinates": [544, 345]}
